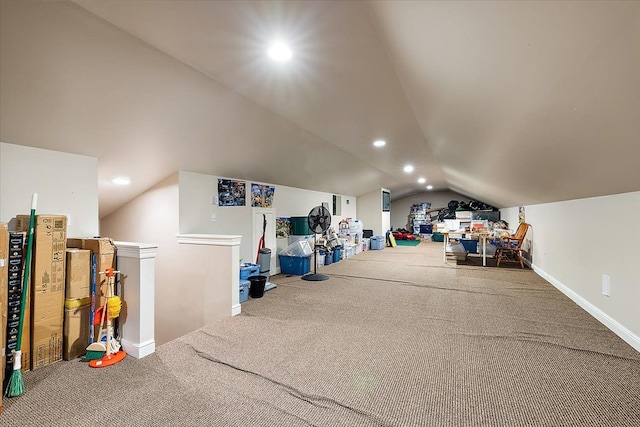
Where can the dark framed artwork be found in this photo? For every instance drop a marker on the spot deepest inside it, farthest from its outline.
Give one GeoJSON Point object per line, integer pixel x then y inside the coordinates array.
{"type": "Point", "coordinates": [386, 201]}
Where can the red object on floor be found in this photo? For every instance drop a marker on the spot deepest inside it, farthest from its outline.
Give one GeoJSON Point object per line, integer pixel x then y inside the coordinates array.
{"type": "Point", "coordinates": [108, 360]}
{"type": "Point", "coordinates": [403, 236]}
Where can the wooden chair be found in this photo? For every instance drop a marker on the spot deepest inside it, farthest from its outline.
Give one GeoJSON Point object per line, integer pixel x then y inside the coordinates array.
{"type": "Point", "coordinates": [510, 248]}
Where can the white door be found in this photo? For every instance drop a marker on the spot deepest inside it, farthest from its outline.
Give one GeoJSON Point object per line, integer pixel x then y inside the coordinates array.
{"type": "Point", "coordinates": [259, 215]}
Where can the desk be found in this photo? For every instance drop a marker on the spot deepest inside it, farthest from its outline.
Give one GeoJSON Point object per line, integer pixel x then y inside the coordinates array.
{"type": "Point", "coordinates": [483, 237]}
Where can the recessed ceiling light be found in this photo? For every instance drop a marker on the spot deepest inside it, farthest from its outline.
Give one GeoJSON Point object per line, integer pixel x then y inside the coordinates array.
{"type": "Point", "coordinates": [280, 52]}
{"type": "Point", "coordinates": [421, 180]}
{"type": "Point", "coordinates": [379, 143]}
{"type": "Point", "coordinates": [408, 168]}
{"type": "Point", "coordinates": [121, 180]}
{"type": "Point", "coordinates": [429, 187]}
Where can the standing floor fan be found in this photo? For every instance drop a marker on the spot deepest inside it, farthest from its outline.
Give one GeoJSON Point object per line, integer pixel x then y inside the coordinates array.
{"type": "Point", "coordinates": [319, 220]}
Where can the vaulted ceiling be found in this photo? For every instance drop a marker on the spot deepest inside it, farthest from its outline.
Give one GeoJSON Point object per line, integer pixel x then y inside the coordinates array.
{"type": "Point", "coordinates": [510, 103]}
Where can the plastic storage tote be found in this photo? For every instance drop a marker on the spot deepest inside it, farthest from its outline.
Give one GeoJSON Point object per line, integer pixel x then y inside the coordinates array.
{"type": "Point", "coordinates": [244, 290]}
{"type": "Point", "coordinates": [377, 243]}
{"type": "Point", "coordinates": [248, 269]}
{"type": "Point", "coordinates": [294, 264]}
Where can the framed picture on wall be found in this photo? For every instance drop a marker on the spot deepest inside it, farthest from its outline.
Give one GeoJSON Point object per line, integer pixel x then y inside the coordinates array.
{"type": "Point", "coordinates": [386, 201]}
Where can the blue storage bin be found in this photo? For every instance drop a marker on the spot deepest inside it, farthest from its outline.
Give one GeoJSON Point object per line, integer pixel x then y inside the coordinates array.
{"type": "Point", "coordinates": [426, 228]}
{"type": "Point", "coordinates": [247, 269]}
{"type": "Point", "coordinates": [244, 290]}
{"type": "Point", "coordinates": [470, 245]}
{"type": "Point", "coordinates": [336, 254]}
{"type": "Point", "coordinates": [377, 243]}
{"type": "Point", "coordinates": [328, 257]}
{"type": "Point", "coordinates": [294, 264]}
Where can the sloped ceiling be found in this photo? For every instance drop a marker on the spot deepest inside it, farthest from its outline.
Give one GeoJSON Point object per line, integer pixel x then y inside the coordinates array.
{"type": "Point", "coordinates": [508, 102]}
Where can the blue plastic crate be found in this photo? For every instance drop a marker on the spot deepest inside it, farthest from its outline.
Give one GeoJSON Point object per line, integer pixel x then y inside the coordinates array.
{"type": "Point", "coordinates": [294, 264]}
{"type": "Point", "coordinates": [248, 269]}
{"type": "Point", "coordinates": [470, 245]}
{"type": "Point", "coordinates": [377, 243]}
{"type": "Point", "coordinates": [244, 290]}
{"type": "Point", "coordinates": [336, 253]}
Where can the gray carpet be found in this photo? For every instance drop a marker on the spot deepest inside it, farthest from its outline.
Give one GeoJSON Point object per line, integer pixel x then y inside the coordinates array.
{"type": "Point", "coordinates": [393, 338]}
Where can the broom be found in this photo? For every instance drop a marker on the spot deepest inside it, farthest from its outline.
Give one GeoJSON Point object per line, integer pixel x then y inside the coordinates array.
{"type": "Point", "coordinates": [96, 350]}
{"type": "Point", "coordinates": [15, 386]}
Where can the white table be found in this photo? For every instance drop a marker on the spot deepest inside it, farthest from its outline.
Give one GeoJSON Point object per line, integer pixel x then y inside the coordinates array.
{"type": "Point", "coordinates": [483, 239]}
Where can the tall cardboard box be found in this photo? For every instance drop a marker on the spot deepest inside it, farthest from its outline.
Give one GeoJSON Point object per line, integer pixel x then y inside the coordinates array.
{"type": "Point", "coordinates": [47, 287]}
{"type": "Point", "coordinates": [78, 277]}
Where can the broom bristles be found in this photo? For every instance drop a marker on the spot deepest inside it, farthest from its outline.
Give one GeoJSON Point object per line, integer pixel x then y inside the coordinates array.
{"type": "Point", "coordinates": [15, 387]}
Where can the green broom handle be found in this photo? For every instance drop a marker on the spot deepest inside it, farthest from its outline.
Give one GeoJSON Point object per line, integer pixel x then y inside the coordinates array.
{"type": "Point", "coordinates": [27, 268]}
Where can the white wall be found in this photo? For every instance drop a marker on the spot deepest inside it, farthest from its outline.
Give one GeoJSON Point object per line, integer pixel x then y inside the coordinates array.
{"type": "Point", "coordinates": [401, 208]}
{"type": "Point", "coordinates": [574, 243]}
{"type": "Point", "coordinates": [196, 209]}
{"type": "Point", "coordinates": [67, 184]}
{"type": "Point", "coordinates": [370, 212]}
{"type": "Point", "coordinates": [192, 282]}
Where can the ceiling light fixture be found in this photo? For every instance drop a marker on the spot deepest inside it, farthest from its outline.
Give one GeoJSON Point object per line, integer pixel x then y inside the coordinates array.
{"type": "Point", "coordinates": [429, 187]}
{"type": "Point", "coordinates": [379, 143]}
{"type": "Point", "coordinates": [422, 180]}
{"type": "Point", "coordinates": [408, 168]}
{"type": "Point", "coordinates": [280, 52]}
{"type": "Point", "coordinates": [121, 180]}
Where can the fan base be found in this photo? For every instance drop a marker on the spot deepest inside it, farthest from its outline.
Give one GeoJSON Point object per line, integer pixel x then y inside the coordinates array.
{"type": "Point", "coordinates": [315, 277]}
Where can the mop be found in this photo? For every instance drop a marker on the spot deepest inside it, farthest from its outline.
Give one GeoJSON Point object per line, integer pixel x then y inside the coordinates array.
{"type": "Point", "coordinates": [113, 306]}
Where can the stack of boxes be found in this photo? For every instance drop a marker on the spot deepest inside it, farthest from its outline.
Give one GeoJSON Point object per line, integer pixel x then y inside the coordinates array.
{"type": "Point", "coordinates": [56, 319]}
{"type": "Point", "coordinates": [78, 302]}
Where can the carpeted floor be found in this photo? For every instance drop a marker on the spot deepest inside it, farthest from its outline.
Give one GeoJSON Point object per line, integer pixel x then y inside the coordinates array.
{"type": "Point", "coordinates": [394, 338]}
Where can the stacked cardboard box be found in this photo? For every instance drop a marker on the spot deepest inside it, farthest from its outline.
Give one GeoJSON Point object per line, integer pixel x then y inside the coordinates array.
{"type": "Point", "coordinates": [47, 287]}
{"type": "Point", "coordinates": [77, 303]}
{"type": "Point", "coordinates": [76, 328]}
{"type": "Point", "coordinates": [104, 251]}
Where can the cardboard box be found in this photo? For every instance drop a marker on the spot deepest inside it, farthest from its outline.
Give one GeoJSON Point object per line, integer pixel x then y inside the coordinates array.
{"type": "Point", "coordinates": [78, 276]}
{"type": "Point", "coordinates": [47, 287]}
{"type": "Point", "coordinates": [76, 331]}
{"type": "Point", "coordinates": [103, 248]}
{"type": "Point", "coordinates": [105, 251]}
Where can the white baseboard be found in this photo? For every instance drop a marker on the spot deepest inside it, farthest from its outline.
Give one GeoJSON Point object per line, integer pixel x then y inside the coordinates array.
{"type": "Point", "coordinates": [629, 337]}
{"type": "Point", "coordinates": [139, 350]}
{"type": "Point", "coordinates": [235, 310]}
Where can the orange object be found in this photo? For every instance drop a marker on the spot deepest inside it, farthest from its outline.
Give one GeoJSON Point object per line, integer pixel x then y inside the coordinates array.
{"type": "Point", "coordinates": [108, 360]}
{"type": "Point", "coordinates": [98, 319]}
